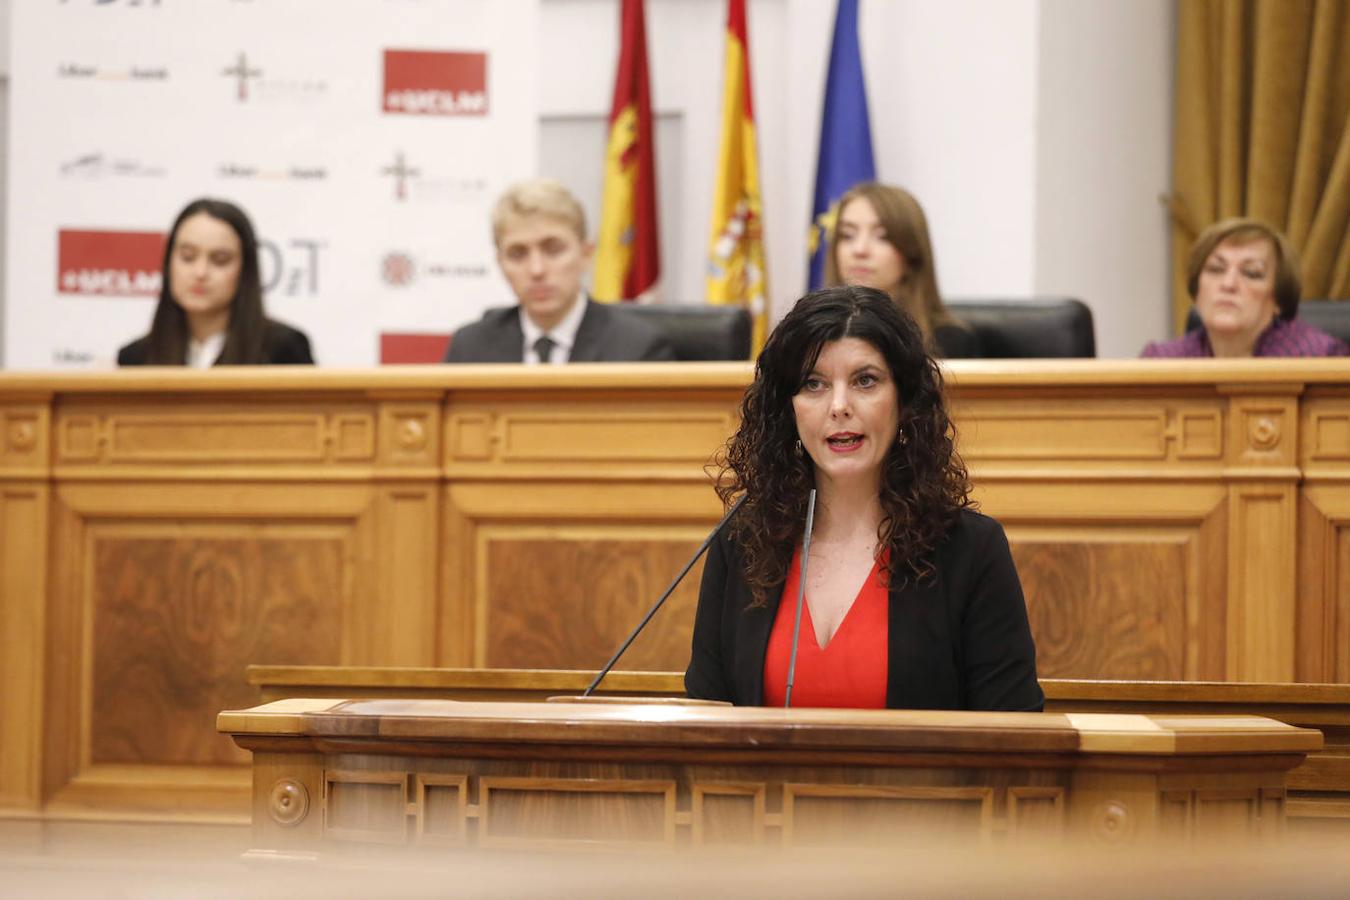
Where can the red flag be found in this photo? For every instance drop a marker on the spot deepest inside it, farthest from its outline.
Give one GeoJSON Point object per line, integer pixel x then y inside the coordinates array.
{"type": "Point", "coordinates": [627, 257]}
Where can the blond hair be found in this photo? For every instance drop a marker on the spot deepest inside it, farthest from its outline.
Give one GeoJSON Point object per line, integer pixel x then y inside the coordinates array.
{"type": "Point", "coordinates": [538, 197]}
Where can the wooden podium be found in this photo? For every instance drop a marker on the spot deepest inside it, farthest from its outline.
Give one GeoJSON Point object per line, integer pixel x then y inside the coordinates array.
{"type": "Point", "coordinates": [332, 775]}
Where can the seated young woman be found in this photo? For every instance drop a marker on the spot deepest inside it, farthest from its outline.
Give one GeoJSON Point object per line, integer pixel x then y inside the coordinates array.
{"type": "Point", "coordinates": [210, 309]}
{"type": "Point", "coordinates": [880, 240]}
{"type": "Point", "coordinates": [1244, 281]}
{"type": "Point", "coordinates": [912, 599]}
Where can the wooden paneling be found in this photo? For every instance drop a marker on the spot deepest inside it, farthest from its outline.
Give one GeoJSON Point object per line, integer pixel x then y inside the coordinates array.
{"type": "Point", "coordinates": [1091, 619]}
{"type": "Point", "coordinates": [816, 815]}
{"type": "Point", "coordinates": [526, 812]}
{"type": "Point", "coordinates": [1171, 520]}
{"type": "Point", "coordinates": [23, 547]}
{"type": "Point", "coordinates": [566, 595]}
{"type": "Point", "coordinates": [538, 572]}
{"type": "Point", "coordinates": [1319, 789]}
{"type": "Point", "coordinates": [178, 609]}
{"type": "Point", "coordinates": [582, 776]}
{"type": "Point", "coordinates": [167, 593]}
{"type": "Point", "coordinates": [1119, 584]}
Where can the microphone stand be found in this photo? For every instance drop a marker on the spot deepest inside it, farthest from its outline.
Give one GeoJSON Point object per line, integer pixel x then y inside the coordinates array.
{"type": "Point", "coordinates": [801, 595]}
{"type": "Point", "coordinates": [657, 605]}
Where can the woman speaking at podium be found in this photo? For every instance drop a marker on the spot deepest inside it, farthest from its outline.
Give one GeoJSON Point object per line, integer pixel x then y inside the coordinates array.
{"type": "Point", "coordinates": [912, 600]}
{"type": "Point", "coordinates": [210, 309]}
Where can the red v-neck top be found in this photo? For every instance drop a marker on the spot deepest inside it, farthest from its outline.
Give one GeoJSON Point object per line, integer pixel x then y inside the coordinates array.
{"type": "Point", "coordinates": [851, 671]}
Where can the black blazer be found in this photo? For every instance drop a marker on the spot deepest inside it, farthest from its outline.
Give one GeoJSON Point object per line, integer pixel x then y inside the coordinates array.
{"type": "Point", "coordinates": [282, 345]}
{"type": "Point", "coordinates": [606, 334]}
{"type": "Point", "coordinates": [960, 640]}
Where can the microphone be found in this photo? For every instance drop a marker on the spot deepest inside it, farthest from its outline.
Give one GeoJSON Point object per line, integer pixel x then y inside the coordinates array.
{"type": "Point", "coordinates": [674, 584]}
{"type": "Point", "coordinates": [801, 595]}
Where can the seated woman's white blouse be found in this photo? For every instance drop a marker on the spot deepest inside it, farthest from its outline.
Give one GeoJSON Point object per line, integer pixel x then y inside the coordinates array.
{"type": "Point", "coordinates": [203, 354]}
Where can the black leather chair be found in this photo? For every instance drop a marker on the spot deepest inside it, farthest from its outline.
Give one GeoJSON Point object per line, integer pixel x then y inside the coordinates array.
{"type": "Point", "coordinates": [1332, 316]}
{"type": "Point", "coordinates": [700, 331]}
{"type": "Point", "coordinates": [1037, 327]}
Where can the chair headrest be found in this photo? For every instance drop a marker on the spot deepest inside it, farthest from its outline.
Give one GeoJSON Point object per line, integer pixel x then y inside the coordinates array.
{"type": "Point", "coordinates": [1037, 327]}
{"type": "Point", "coordinates": [700, 332]}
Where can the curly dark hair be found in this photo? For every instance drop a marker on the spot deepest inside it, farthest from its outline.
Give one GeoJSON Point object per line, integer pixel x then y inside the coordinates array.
{"type": "Point", "coordinates": [924, 484]}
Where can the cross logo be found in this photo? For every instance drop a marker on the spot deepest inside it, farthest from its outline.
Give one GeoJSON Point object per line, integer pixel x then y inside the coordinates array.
{"type": "Point", "coordinates": [402, 172]}
{"type": "Point", "coordinates": [241, 71]}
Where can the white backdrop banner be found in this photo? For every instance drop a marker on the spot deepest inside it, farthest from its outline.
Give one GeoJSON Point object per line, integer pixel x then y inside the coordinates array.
{"type": "Point", "coordinates": [367, 142]}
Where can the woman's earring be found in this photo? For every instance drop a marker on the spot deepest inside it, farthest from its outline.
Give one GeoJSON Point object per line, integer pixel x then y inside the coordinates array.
{"type": "Point", "coordinates": [900, 437]}
{"type": "Point", "coordinates": [797, 448]}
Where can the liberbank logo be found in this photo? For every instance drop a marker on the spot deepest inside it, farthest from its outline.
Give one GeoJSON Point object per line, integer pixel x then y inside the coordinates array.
{"type": "Point", "coordinates": [109, 263]}
{"type": "Point", "coordinates": [435, 83]}
{"type": "Point", "coordinates": [77, 71]}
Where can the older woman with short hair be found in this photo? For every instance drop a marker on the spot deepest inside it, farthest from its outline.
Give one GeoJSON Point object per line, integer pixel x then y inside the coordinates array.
{"type": "Point", "coordinates": [1243, 278]}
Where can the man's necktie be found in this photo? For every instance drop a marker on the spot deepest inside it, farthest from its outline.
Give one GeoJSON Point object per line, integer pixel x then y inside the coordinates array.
{"type": "Point", "coordinates": [544, 347]}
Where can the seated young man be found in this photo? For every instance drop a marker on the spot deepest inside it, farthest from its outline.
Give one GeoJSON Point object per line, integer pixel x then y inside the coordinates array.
{"type": "Point", "coordinates": [540, 232]}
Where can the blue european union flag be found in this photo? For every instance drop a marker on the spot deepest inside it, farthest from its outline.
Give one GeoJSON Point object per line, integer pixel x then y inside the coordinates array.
{"type": "Point", "coordinates": [845, 136]}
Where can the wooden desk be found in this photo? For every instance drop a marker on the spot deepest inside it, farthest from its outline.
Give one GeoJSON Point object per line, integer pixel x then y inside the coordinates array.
{"type": "Point", "coordinates": [331, 773]}
{"type": "Point", "coordinates": [1319, 788]}
{"type": "Point", "coordinates": [160, 530]}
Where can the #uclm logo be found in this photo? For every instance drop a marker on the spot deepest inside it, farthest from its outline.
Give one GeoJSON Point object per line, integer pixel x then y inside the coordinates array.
{"type": "Point", "coordinates": [435, 83]}
{"type": "Point", "coordinates": [109, 263]}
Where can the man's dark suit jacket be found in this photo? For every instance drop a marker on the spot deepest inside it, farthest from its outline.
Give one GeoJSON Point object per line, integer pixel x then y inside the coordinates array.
{"type": "Point", "coordinates": [960, 640]}
{"type": "Point", "coordinates": [282, 345]}
{"type": "Point", "coordinates": [606, 334]}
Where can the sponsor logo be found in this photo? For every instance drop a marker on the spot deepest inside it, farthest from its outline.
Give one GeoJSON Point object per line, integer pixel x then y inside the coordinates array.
{"type": "Point", "coordinates": [251, 82]}
{"type": "Point", "coordinates": [435, 83]}
{"type": "Point", "coordinates": [109, 263]}
{"type": "Point", "coordinates": [101, 165]}
{"type": "Point", "coordinates": [241, 71]}
{"type": "Point", "coordinates": [399, 269]}
{"type": "Point", "coordinates": [73, 71]}
{"type": "Point", "coordinates": [291, 266]}
{"type": "Point", "coordinates": [411, 182]}
{"type": "Point", "coordinates": [108, 4]}
{"type": "Point", "coordinates": [236, 171]}
{"type": "Point", "coordinates": [64, 356]}
{"type": "Point", "coordinates": [401, 172]}
{"type": "Point", "coordinates": [404, 347]}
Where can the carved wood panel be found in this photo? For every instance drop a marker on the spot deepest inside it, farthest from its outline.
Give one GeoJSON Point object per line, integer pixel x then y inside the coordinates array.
{"type": "Point", "coordinates": [565, 598]}
{"type": "Point", "coordinates": [1324, 583]}
{"type": "Point", "coordinates": [822, 815]}
{"type": "Point", "coordinates": [209, 433]}
{"type": "Point", "coordinates": [1058, 432]}
{"type": "Point", "coordinates": [1108, 604]}
{"type": "Point", "coordinates": [542, 812]}
{"type": "Point", "coordinates": [177, 611]}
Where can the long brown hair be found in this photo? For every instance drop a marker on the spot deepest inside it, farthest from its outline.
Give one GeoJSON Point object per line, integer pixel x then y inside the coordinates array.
{"type": "Point", "coordinates": [906, 229]}
{"type": "Point", "coordinates": [168, 340]}
{"type": "Point", "coordinates": [924, 484]}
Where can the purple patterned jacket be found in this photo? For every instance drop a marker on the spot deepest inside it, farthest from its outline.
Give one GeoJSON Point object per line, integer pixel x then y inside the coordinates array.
{"type": "Point", "coordinates": [1284, 337]}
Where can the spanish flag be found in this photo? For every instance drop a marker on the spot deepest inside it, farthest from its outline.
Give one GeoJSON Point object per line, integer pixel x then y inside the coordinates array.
{"type": "Point", "coordinates": [736, 250]}
{"type": "Point", "coordinates": [627, 256]}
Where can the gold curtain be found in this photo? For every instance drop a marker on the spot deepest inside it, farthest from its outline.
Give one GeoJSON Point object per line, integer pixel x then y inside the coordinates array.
{"type": "Point", "coordinates": [1263, 130]}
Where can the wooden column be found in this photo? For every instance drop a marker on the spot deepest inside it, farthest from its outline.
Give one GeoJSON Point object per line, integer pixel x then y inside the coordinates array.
{"type": "Point", "coordinates": [25, 471]}
{"type": "Point", "coordinates": [1263, 476]}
